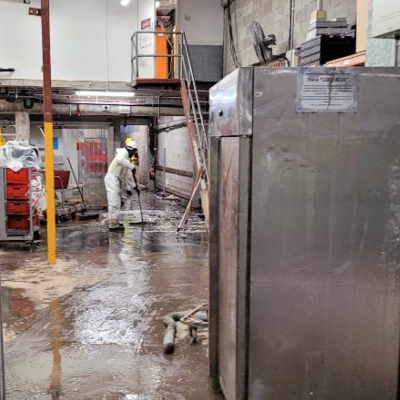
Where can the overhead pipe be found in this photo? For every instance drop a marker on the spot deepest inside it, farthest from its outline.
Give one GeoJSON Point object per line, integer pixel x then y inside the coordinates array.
{"type": "Point", "coordinates": [110, 104]}
{"type": "Point", "coordinates": [292, 7]}
{"type": "Point", "coordinates": [30, 100]}
{"type": "Point", "coordinates": [170, 127]}
{"type": "Point", "coordinates": [65, 109]}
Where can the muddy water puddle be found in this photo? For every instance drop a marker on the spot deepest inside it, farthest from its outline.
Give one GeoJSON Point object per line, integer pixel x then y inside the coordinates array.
{"type": "Point", "coordinates": [90, 328]}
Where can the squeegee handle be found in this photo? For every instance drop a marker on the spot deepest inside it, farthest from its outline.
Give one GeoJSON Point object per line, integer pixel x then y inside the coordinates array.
{"type": "Point", "coordinates": [135, 180]}
{"type": "Point", "coordinates": [76, 181]}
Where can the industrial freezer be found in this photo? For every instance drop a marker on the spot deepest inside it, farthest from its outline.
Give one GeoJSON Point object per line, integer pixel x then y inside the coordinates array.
{"type": "Point", "coordinates": [305, 234]}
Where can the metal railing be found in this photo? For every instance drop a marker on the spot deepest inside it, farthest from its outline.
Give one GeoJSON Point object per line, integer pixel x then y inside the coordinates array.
{"type": "Point", "coordinates": [180, 68]}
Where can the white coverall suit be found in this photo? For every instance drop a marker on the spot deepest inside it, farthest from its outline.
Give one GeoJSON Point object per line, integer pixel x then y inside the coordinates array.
{"type": "Point", "coordinates": [119, 175]}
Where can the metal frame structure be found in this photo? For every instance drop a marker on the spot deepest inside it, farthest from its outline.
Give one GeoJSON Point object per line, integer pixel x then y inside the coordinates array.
{"type": "Point", "coordinates": [189, 93]}
{"type": "Point", "coordinates": [178, 41]}
{"type": "Point", "coordinates": [7, 235]}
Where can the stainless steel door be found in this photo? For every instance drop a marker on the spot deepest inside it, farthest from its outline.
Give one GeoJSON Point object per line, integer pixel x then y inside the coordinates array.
{"type": "Point", "coordinates": [228, 264]}
{"type": "Point", "coordinates": [230, 189]}
{"type": "Point", "coordinates": [324, 302]}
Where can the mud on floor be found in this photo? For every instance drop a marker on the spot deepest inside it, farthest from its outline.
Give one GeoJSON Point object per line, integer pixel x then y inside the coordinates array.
{"type": "Point", "coordinates": [90, 328]}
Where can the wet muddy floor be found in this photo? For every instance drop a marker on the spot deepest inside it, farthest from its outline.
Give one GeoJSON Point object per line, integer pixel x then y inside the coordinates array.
{"type": "Point", "coordinates": [90, 328]}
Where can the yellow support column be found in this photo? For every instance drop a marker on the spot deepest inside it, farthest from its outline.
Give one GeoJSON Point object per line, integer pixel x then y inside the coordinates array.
{"type": "Point", "coordinates": [48, 133]}
{"type": "Point", "coordinates": [51, 206]}
{"type": "Point", "coordinates": [2, 140]}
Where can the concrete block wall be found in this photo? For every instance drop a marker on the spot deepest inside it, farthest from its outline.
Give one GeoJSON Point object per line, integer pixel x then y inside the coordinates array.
{"type": "Point", "coordinates": [273, 15]}
{"type": "Point", "coordinates": [177, 155]}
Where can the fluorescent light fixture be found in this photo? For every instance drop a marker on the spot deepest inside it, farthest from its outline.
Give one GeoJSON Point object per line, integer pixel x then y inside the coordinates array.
{"type": "Point", "coordinates": [91, 93]}
{"type": "Point", "coordinates": [125, 2]}
{"type": "Point", "coordinates": [157, 4]}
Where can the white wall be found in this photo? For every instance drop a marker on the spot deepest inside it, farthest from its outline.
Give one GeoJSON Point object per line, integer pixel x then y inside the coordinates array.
{"type": "Point", "coordinates": [79, 28]}
{"type": "Point", "coordinates": [202, 21]}
{"type": "Point", "coordinates": [146, 43]}
{"type": "Point", "coordinates": [178, 156]}
{"type": "Point", "coordinates": [78, 39]}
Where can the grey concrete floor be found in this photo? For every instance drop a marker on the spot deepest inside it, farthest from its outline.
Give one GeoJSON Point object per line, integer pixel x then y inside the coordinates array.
{"type": "Point", "coordinates": [89, 328]}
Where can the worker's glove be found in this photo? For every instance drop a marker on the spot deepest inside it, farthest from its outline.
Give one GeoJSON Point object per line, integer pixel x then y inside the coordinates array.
{"type": "Point", "coordinates": [137, 190]}
{"type": "Point", "coordinates": [129, 192]}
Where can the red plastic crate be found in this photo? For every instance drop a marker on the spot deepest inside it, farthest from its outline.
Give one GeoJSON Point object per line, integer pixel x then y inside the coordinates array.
{"type": "Point", "coordinates": [20, 178]}
{"type": "Point", "coordinates": [80, 146]}
{"type": "Point", "coordinates": [97, 157]}
{"type": "Point", "coordinates": [61, 179]}
{"type": "Point", "coordinates": [21, 223]}
{"type": "Point", "coordinates": [17, 192]}
{"type": "Point", "coordinates": [18, 208]}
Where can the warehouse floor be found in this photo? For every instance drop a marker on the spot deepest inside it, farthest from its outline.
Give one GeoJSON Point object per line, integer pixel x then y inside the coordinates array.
{"type": "Point", "coordinates": [89, 328]}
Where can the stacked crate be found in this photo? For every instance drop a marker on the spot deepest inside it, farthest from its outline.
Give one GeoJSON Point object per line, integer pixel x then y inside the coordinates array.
{"type": "Point", "coordinates": [18, 207]}
{"type": "Point", "coordinates": [324, 48]}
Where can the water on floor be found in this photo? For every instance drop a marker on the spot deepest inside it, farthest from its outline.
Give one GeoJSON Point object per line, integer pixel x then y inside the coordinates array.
{"type": "Point", "coordinates": [90, 328]}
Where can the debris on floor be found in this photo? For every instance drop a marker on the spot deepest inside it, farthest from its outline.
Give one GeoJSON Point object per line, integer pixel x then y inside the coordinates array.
{"type": "Point", "coordinates": [172, 198]}
{"type": "Point", "coordinates": [194, 320]}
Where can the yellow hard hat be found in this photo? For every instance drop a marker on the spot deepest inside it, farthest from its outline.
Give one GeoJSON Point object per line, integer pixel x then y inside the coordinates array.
{"type": "Point", "coordinates": [128, 140]}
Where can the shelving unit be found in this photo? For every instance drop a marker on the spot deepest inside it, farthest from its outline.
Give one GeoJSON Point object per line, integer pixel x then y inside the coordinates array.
{"type": "Point", "coordinates": [19, 220]}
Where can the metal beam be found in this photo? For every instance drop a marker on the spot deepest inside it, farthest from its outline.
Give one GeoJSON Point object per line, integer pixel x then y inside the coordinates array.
{"type": "Point", "coordinates": [174, 171]}
{"type": "Point", "coordinates": [69, 88]}
{"type": "Point", "coordinates": [83, 121]}
{"type": "Point", "coordinates": [92, 110]}
{"type": "Point", "coordinates": [38, 83]}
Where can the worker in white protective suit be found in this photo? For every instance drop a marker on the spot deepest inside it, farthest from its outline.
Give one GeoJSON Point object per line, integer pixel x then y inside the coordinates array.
{"type": "Point", "coordinates": [121, 174]}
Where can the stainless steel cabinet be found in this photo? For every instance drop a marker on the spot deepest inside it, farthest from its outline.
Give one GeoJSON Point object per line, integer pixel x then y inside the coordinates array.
{"type": "Point", "coordinates": [305, 239]}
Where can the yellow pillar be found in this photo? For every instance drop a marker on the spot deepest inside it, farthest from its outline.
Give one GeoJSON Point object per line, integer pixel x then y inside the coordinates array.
{"type": "Point", "coordinates": [48, 132]}
{"type": "Point", "coordinates": [51, 206]}
{"type": "Point", "coordinates": [2, 140]}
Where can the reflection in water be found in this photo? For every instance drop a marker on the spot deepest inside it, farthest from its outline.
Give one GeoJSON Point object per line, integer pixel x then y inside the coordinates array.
{"type": "Point", "coordinates": [103, 339]}
{"type": "Point", "coordinates": [80, 239]}
{"type": "Point", "coordinates": [16, 304]}
{"type": "Point", "coordinates": [18, 312]}
{"type": "Point", "coordinates": [56, 320]}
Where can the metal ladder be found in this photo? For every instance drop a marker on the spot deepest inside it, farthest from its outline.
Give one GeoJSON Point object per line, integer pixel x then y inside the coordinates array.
{"type": "Point", "coordinates": [192, 107]}
{"type": "Point", "coordinates": [196, 125]}
{"type": "Point", "coordinates": [193, 111]}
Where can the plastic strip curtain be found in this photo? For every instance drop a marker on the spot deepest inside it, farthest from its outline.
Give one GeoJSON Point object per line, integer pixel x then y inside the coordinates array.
{"type": "Point", "coordinates": [93, 164]}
